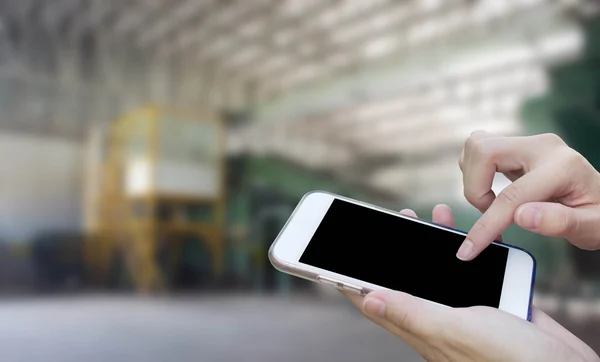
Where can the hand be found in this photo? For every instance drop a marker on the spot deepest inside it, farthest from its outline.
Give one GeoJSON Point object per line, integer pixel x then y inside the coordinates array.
{"type": "Point", "coordinates": [555, 191]}
{"type": "Point", "coordinates": [446, 334]}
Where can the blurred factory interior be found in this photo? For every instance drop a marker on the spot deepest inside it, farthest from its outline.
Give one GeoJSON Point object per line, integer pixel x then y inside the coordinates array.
{"type": "Point", "coordinates": [156, 147]}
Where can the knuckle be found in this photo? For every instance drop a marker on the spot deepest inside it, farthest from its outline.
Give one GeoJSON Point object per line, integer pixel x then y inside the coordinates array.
{"type": "Point", "coordinates": [479, 132]}
{"type": "Point", "coordinates": [476, 199]}
{"type": "Point", "coordinates": [481, 149]}
{"type": "Point", "coordinates": [574, 159]}
{"type": "Point", "coordinates": [570, 225]}
{"type": "Point", "coordinates": [479, 226]}
{"type": "Point", "coordinates": [552, 139]}
{"type": "Point", "coordinates": [510, 196]}
{"type": "Point", "coordinates": [472, 143]}
{"type": "Point", "coordinates": [471, 196]}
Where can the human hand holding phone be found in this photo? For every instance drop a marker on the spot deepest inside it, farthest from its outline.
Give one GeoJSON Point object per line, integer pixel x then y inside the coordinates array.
{"type": "Point", "coordinates": [446, 334]}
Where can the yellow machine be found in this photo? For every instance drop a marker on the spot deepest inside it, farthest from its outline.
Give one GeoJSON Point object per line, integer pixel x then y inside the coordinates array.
{"type": "Point", "coordinates": [159, 165]}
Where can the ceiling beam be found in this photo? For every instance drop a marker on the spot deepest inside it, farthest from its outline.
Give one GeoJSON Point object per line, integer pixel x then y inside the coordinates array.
{"type": "Point", "coordinates": [136, 17]}
{"type": "Point", "coordinates": [360, 128]}
{"type": "Point", "coordinates": [61, 11]}
{"type": "Point", "coordinates": [208, 32]}
{"type": "Point", "coordinates": [99, 16]}
{"type": "Point", "coordinates": [320, 36]}
{"type": "Point", "coordinates": [204, 28]}
{"type": "Point", "coordinates": [353, 48]}
{"type": "Point", "coordinates": [179, 15]}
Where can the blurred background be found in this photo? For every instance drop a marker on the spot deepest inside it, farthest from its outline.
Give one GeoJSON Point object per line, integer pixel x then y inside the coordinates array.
{"type": "Point", "coordinates": [151, 150]}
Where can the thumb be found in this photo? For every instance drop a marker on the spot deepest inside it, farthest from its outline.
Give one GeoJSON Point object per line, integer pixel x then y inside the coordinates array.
{"type": "Point", "coordinates": [412, 315]}
{"type": "Point", "coordinates": [553, 219]}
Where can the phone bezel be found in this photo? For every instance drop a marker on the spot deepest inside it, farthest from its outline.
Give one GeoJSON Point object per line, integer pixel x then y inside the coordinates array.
{"type": "Point", "coordinates": [291, 242]}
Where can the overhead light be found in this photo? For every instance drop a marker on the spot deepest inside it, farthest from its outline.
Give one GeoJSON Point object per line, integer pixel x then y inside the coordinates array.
{"type": "Point", "coordinates": [454, 113]}
{"type": "Point", "coordinates": [491, 83]}
{"type": "Point", "coordinates": [530, 3]}
{"type": "Point", "coordinates": [509, 104]}
{"type": "Point", "coordinates": [487, 106]}
{"type": "Point", "coordinates": [379, 47]}
{"type": "Point", "coordinates": [422, 32]}
{"type": "Point", "coordinates": [378, 109]}
{"type": "Point", "coordinates": [492, 58]}
{"type": "Point", "coordinates": [561, 46]}
{"type": "Point", "coordinates": [489, 9]}
{"type": "Point", "coordinates": [464, 90]}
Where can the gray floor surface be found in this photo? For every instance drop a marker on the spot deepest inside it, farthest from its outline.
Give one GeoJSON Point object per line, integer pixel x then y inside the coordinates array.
{"type": "Point", "coordinates": [200, 328]}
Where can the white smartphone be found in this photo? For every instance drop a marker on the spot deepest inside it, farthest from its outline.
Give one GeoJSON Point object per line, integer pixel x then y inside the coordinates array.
{"type": "Point", "coordinates": [358, 247]}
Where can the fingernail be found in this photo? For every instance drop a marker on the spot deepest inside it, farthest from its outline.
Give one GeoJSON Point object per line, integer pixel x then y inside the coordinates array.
{"type": "Point", "coordinates": [374, 306]}
{"type": "Point", "coordinates": [529, 217]}
{"type": "Point", "coordinates": [465, 250]}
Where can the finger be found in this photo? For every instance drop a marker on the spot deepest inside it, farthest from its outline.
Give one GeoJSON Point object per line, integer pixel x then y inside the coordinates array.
{"type": "Point", "coordinates": [484, 156]}
{"type": "Point", "coordinates": [358, 300]}
{"type": "Point", "coordinates": [478, 177]}
{"type": "Point", "coordinates": [442, 214]}
{"type": "Point", "coordinates": [537, 185]}
{"type": "Point", "coordinates": [513, 176]}
{"type": "Point", "coordinates": [419, 344]}
{"type": "Point", "coordinates": [550, 326]}
{"type": "Point", "coordinates": [552, 219]}
{"type": "Point", "coordinates": [355, 299]}
{"type": "Point", "coordinates": [408, 212]}
{"type": "Point", "coordinates": [414, 316]}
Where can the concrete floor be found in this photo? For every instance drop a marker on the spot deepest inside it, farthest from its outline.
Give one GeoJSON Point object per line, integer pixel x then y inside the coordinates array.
{"type": "Point", "coordinates": [201, 328]}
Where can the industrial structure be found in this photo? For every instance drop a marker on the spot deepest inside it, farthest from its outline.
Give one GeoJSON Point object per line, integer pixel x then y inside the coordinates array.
{"type": "Point", "coordinates": [199, 123]}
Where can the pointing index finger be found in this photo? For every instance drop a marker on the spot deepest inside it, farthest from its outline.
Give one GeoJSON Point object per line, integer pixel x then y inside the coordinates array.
{"type": "Point", "coordinates": [538, 185]}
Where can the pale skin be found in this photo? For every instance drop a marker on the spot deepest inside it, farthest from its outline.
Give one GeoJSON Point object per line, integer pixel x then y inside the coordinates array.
{"type": "Point", "coordinates": [555, 192]}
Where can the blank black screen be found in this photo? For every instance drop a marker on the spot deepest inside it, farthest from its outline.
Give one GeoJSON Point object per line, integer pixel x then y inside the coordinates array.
{"type": "Point", "coordinates": [404, 255]}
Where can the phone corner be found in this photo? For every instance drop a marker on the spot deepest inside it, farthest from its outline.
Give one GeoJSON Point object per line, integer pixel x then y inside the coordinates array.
{"type": "Point", "coordinates": [277, 262]}
{"type": "Point", "coordinates": [316, 192]}
{"type": "Point", "coordinates": [533, 259]}
{"type": "Point", "coordinates": [526, 252]}
{"type": "Point", "coordinates": [273, 259]}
